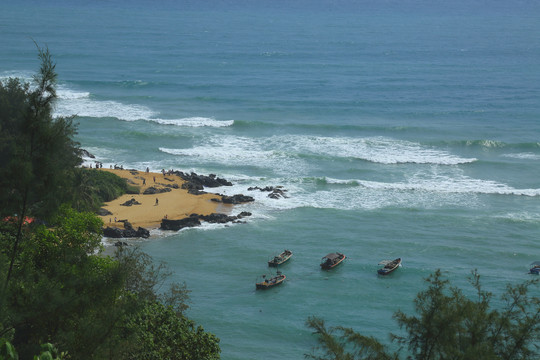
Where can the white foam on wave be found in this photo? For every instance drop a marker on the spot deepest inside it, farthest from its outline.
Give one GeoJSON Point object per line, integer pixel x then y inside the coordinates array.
{"type": "Point", "coordinates": [521, 217]}
{"type": "Point", "coordinates": [25, 76]}
{"type": "Point", "coordinates": [445, 185]}
{"type": "Point", "coordinates": [195, 122]}
{"type": "Point", "coordinates": [426, 189]}
{"type": "Point", "coordinates": [242, 151]}
{"type": "Point", "coordinates": [285, 154]}
{"type": "Point", "coordinates": [374, 149]}
{"type": "Point", "coordinates": [523, 156]}
{"type": "Point", "coordinates": [81, 104]}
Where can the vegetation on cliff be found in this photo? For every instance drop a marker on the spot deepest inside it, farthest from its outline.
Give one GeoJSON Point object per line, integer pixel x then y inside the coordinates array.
{"type": "Point", "coordinates": [61, 297]}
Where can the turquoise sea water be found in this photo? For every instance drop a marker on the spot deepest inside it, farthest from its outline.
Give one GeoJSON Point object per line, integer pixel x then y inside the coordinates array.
{"type": "Point", "coordinates": [399, 128]}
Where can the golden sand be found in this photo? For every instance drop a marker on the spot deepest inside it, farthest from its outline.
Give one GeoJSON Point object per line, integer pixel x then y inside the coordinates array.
{"type": "Point", "coordinates": [176, 204]}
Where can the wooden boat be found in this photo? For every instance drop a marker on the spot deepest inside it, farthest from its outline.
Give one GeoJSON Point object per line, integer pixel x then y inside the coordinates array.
{"type": "Point", "coordinates": [389, 266]}
{"type": "Point", "coordinates": [332, 260]}
{"type": "Point", "coordinates": [280, 259]}
{"type": "Point", "coordinates": [535, 269]}
{"type": "Point", "coordinates": [268, 282]}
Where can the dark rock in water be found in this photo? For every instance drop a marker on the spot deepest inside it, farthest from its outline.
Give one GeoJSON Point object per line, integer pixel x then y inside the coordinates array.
{"type": "Point", "coordinates": [195, 220]}
{"type": "Point", "coordinates": [85, 153]}
{"type": "Point", "coordinates": [112, 232]}
{"type": "Point", "coordinates": [142, 232]}
{"type": "Point", "coordinates": [127, 225]}
{"type": "Point", "coordinates": [152, 190]}
{"type": "Point", "coordinates": [120, 243]}
{"type": "Point", "coordinates": [131, 202]}
{"type": "Point", "coordinates": [217, 218]}
{"type": "Point", "coordinates": [202, 180]}
{"type": "Point", "coordinates": [129, 232]}
{"type": "Point", "coordinates": [167, 224]}
{"type": "Point", "coordinates": [235, 199]}
{"type": "Point", "coordinates": [275, 192]}
{"type": "Point", "coordinates": [104, 212]}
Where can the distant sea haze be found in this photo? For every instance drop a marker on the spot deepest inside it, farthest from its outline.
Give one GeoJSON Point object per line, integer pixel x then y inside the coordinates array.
{"type": "Point", "coordinates": [398, 129]}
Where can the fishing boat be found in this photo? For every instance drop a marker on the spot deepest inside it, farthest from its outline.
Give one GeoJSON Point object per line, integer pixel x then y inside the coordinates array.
{"type": "Point", "coordinates": [332, 260]}
{"type": "Point", "coordinates": [535, 269]}
{"type": "Point", "coordinates": [389, 266]}
{"type": "Point", "coordinates": [268, 282]}
{"type": "Point", "coordinates": [281, 258]}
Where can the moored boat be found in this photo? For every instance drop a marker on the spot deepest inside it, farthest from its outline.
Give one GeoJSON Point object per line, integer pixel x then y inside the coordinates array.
{"type": "Point", "coordinates": [268, 282]}
{"type": "Point", "coordinates": [332, 260]}
{"type": "Point", "coordinates": [535, 269]}
{"type": "Point", "coordinates": [389, 266]}
{"type": "Point", "coordinates": [281, 258]}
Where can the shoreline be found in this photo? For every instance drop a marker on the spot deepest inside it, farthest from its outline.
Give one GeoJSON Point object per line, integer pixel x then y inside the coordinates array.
{"type": "Point", "coordinates": [149, 210]}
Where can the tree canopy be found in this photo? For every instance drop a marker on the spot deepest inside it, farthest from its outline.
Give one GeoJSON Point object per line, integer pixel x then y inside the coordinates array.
{"type": "Point", "coordinates": [447, 325]}
{"type": "Point", "coordinates": [61, 296]}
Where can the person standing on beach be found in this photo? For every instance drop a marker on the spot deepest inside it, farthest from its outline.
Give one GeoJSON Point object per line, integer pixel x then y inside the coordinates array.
{"type": "Point", "coordinates": [157, 202]}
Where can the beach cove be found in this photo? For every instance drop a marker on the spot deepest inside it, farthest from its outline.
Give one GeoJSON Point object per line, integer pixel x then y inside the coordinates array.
{"type": "Point", "coordinates": [151, 209]}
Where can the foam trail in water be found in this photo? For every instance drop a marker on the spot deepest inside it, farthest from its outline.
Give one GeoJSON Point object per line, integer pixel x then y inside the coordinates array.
{"type": "Point", "coordinates": [194, 122]}
{"type": "Point", "coordinates": [374, 149]}
{"type": "Point", "coordinates": [80, 103]}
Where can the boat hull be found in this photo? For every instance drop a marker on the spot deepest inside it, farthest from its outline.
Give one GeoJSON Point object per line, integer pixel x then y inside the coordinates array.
{"type": "Point", "coordinates": [267, 284]}
{"type": "Point", "coordinates": [325, 266]}
{"type": "Point", "coordinates": [279, 260]}
{"type": "Point", "coordinates": [389, 269]}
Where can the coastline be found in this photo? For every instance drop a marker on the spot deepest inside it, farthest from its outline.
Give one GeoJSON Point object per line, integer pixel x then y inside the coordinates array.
{"type": "Point", "coordinates": [151, 209]}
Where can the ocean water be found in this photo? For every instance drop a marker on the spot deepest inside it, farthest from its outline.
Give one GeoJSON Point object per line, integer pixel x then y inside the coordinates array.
{"type": "Point", "coordinates": [398, 128]}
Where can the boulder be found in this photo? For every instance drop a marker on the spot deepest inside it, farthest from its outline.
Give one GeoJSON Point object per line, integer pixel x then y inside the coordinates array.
{"type": "Point", "coordinates": [275, 192]}
{"type": "Point", "coordinates": [143, 233]}
{"type": "Point", "coordinates": [152, 190]}
{"type": "Point", "coordinates": [113, 232]}
{"type": "Point", "coordinates": [235, 199]}
{"type": "Point", "coordinates": [175, 225]}
{"type": "Point", "coordinates": [195, 220]}
{"type": "Point", "coordinates": [86, 154]}
{"type": "Point", "coordinates": [131, 202]}
{"type": "Point", "coordinates": [116, 233]}
{"type": "Point", "coordinates": [206, 181]}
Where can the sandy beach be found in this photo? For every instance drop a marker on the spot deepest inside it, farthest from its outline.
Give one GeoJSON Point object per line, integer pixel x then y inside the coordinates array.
{"type": "Point", "coordinates": [175, 204]}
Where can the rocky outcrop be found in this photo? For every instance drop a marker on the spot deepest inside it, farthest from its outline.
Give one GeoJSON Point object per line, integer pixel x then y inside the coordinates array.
{"type": "Point", "coordinates": [195, 220]}
{"type": "Point", "coordinates": [131, 202]}
{"type": "Point", "coordinates": [195, 183]}
{"type": "Point", "coordinates": [167, 224]}
{"type": "Point", "coordinates": [152, 190]}
{"type": "Point", "coordinates": [275, 192]}
{"type": "Point", "coordinates": [86, 154]}
{"type": "Point", "coordinates": [235, 199]}
{"type": "Point", "coordinates": [114, 232]}
{"type": "Point", "coordinates": [127, 232]}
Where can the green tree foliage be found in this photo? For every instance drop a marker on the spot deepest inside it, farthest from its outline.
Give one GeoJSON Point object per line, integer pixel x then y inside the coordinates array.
{"type": "Point", "coordinates": [162, 334]}
{"type": "Point", "coordinates": [93, 306]}
{"type": "Point", "coordinates": [92, 188]}
{"type": "Point", "coordinates": [58, 287]}
{"type": "Point", "coordinates": [448, 325]}
{"type": "Point", "coordinates": [37, 152]}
